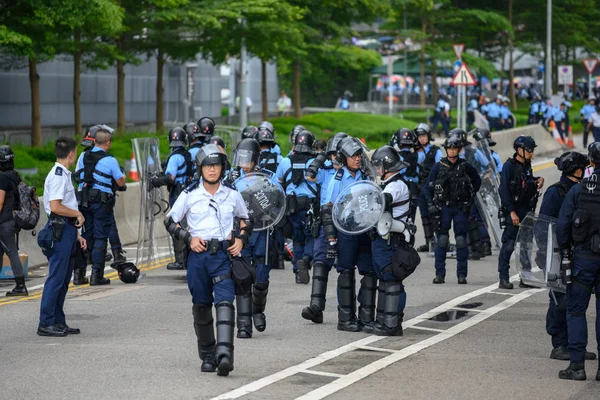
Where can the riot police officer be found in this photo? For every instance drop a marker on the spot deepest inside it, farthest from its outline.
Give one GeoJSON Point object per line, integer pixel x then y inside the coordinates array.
{"type": "Point", "coordinates": [267, 126]}
{"type": "Point", "coordinates": [405, 141]}
{"type": "Point", "coordinates": [269, 158]}
{"type": "Point", "coordinates": [572, 165]}
{"type": "Point", "coordinates": [350, 250]}
{"type": "Point", "coordinates": [293, 133]}
{"type": "Point", "coordinates": [321, 171]}
{"type": "Point", "coordinates": [392, 297]}
{"type": "Point", "coordinates": [217, 140]}
{"type": "Point", "coordinates": [429, 155]}
{"type": "Point", "coordinates": [450, 190]}
{"type": "Point", "coordinates": [577, 234]}
{"type": "Point", "coordinates": [249, 132]}
{"type": "Point", "coordinates": [198, 135]}
{"type": "Point", "coordinates": [210, 208]}
{"type": "Point", "coordinates": [101, 177]}
{"type": "Point", "coordinates": [301, 199]}
{"type": "Point", "coordinates": [178, 173]}
{"type": "Point", "coordinates": [519, 195]}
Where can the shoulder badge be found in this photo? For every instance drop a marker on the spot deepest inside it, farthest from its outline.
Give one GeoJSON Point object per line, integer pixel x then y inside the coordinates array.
{"type": "Point", "coordinates": [58, 171]}
{"type": "Point", "coordinates": [339, 175]}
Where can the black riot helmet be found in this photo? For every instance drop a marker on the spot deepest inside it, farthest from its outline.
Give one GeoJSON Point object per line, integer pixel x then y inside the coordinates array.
{"type": "Point", "coordinates": [211, 154]}
{"type": "Point", "coordinates": [266, 125]}
{"type": "Point", "coordinates": [249, 132]}
{"type": "Point", "coordinates": [332, 144]}
{"type": "Point", "coordinates": [461, 135]}
{"type": "Point", "coordinates": [386, 159]}
{"type": "Point", "coordinates": [89, 138]}
{"type": "Point", "coordinates": [424, 129]}
{"type": "Point", "coordinates": [304, 142]}
{"type": "Point", "coordinates": [524, 142]}
{"type": "Point", "coordinates": [594, 152]}
{"type": "Point", "coordinates": [177, 138]}
{"type": "Point", "coordinates": [294, 132]}
{"type": "Point", "coordinates": [128, 272]}
{"type": "Point", "coordinates": [7, 158]}
{"type": "Point", "coordinates": [207, 128]}
{"type": "Point", "coordinates": [247, 154]}
{"type": "Point", "coordinates": [480, 134]}
{"type": "Point", "coordinates": [218, 140]}
{"type": "Point", "coordinates": [453, 142]}
{"type": "Point", "coordinates": [571, 161]}
{"type": "Point", "coordinates": [192, 130]}
{"type": "Point", "coordinates": [348, 147]}
{"type": "Point", "coordinates": [406, 137]}
{"type": "Point", "coordinates": [265, 137]}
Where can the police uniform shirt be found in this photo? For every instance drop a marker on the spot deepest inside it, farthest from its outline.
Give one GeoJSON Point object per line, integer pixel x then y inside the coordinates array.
{"type": "Point", "coordinates": [415, 178]}
{"type": "Point", "coordinates": [58, 186]}
{"type": "Point", "coordinates": [303, 188]}
{"type": "Point", "coordinates": [595, 120]}
{"type": "Point", "coordinates": [504, 113]}
{"type": "Point", "coordinates": [277, 149]}
{"type": "Point", "coordinates": [498, 161]}
{"type": "Point", "coordinates": [559, 115]}
{"type": "Point", "coordinates": [271, 161]}
{"type": "Point", "coordinates": [209, 216]}
{"type": "Point", "coordinates": [484, 108]}
{"type": "Point", "coordinates": [535, 108]}
{"type": "Point", "coordinates": [472, 105]}
{"type": "Point", "coordinates": [335, 185]}
{"type": "Point", "coordinates": [176, 166]}
{"type": "Point", "coordinates": [440, 105]}
{"type": "Point", "coordinates": [543, 107]}
{"type": "Point", "coordinates": [587, 111]}
{"type": "Point", "coordinates": [550, 110]}
{"type": "Point", "coordinates": [79, 167]}
{"type": "Point", "coordinates": [193, 151]}
{"type": "Point", "coordinates": [493, 110]}
{"type": "Point", "coordinates": [324, 176]}
{"type": "Point", "coordinates": [108, 166]}
{"type": "Point", "coordinates": [399, 192]}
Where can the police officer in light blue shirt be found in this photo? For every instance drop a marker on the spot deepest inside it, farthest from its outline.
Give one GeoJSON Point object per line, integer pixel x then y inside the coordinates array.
{"type": "Point", "coordinates": [586, 112]}
{"type": "Point", "coordinates": [102, 175]}
{"type": "Point", "coordinates": [534, 110]}
{"type": "Point", "coordinates": [472, 105]}
{"type": "Point", "coordinates": [494, 115]}
{"type": "Point", "coordinates": [561, 119]}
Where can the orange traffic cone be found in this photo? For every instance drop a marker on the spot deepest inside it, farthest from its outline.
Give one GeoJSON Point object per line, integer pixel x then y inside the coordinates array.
{"type": "Point", "coordinates": [133, 171]}
{"type": "Point", "coordinates": [362, 139]}
{"type": "Point", "coordinates": [570, 142]}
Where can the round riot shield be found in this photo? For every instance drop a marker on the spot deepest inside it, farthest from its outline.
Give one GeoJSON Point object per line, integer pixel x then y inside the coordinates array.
{"type": "Point", "coordinates": [265, 199]}
{"type": "Point", "coordinates": [358, 208]}
{"type": "Point", "coordinates": [538, 260]}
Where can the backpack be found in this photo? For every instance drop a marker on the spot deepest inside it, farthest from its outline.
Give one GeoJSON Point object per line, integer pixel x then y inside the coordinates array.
{"type": "Point", "coordinates": [27, 214]}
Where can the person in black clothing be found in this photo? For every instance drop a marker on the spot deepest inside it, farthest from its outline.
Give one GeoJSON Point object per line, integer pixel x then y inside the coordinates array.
{"type": "Point", "coordinates": [9, 200]}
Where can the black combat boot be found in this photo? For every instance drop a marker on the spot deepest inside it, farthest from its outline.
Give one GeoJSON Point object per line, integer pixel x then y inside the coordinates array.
{"type": "Point", "coordinates": [79, 277]}
{"type": "Point", "coordinates": [119, 256]}
{"type": "Point", "coordinates": [487, 248]}
{"type": "Point", "coordinates": [346, 286]}
{"type": "Point", "coordinates": [314, 312]}
{"type": "Point", "coordinates": [392, 324]}
{"type": "Point", "coordinates": [439, 280]}
{"type": "Point", "coordinates": [97, 278]}
{"type": "Point", "coordinates": [244, 315]}
{"type": "Point", "coordinates": [505, 284]}
{"type": "Point", "coordinates": [574, 371]}
{"type": "Point", "coordinates": [259, 302]}
{"type": "Point", "coordinates": [366, 310]}
{"type": "Point", "coordinates": [20, 289]}
{"type": "Point", "coordinates": [205, 333]}
{"type": "Point", "coordinates": [225, 325]}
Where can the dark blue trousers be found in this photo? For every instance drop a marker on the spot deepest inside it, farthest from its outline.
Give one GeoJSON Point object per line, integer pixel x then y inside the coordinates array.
{"type": "Point", "coordinates": [202, 268]}
{"type": "Point", "coordinates": [556, 319]}
{"type": "Point", "coordinates": [303, 241]}
{"type": "Point", "coordinates": [321, 244]}
{"type": "Point", "coordinates": [509, 237]}
{"type": "Point", "coordinates": [255, 251]}
{"type": "Point", "coordinates": [113, 235]}
{"type": "Point", "coordinates": [60, 269]}
{"type": "Point", "coordinates": [458, 218]}
{"type": "Point", "coordinates": [98, 221]}
{"type": "Point", "coordinates": [382, 258]}
{"type": "Point", "coordinates": [354, 250]}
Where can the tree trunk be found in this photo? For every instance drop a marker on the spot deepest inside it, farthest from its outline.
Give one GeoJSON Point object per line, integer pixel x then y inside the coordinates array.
{"type": "Point", "coordinates": [77, 83]}
{"type": "Point", "coordinates": [34, 83]}
{"type": "Point", "coordinates": [160, 63]}
{"type": "Point", "coordinates": [422, 83]}
{"type": "Point", "coordinates": [263, 89]}
{"type": "Point", "coordinates": [434, 86]}
{"type": "Point", "coordinates": [296, 85]}
{"type": "Point", "coordinates": [511, 65]}
{"type": "Point", "coordinates": [120, 98]}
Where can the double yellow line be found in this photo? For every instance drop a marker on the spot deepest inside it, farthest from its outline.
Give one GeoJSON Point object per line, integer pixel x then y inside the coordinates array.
{"type": "Point", "coordinates": [112, 276]}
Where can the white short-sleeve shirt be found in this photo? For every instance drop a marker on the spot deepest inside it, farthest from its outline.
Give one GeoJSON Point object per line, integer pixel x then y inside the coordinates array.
{"type": "Point", "coordinates": [209, 216]}
{"type": "Point", "coordinates": [399, 192]}
{"type": "Point", "coordinates": [59, 186]}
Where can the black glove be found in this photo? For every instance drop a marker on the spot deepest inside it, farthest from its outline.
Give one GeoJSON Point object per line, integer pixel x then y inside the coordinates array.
{"type": "Point", "coordinates": [122, 188]}
{"type": "Point", "coordinates": [159, 181]}
{"type": "Point", "coordinates": [332, 250]}
{"type": "Point", "coordinates": [432, 209]}
{"type": "Point", "coordinates": [234, 175]}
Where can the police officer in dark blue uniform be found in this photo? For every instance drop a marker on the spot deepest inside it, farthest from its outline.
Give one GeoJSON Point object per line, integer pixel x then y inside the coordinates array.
{"type": "Point", "coordinates": [321, 172]}
{"type": "Point", "coordinates": [577, 234]}
{"type": "Point", "coordinates": [210, 208]}
{"type": "Point", "coordinates": [351, 251]}
{"type": "Point", "coordinates": [572, 165]}
{"type": "Point", "coordinates": [519, 195]}
{"type": "Point", "coordinates": [450, 191]}
{"type": "Point", "coordinates": [179, 170]}
{"type": "Point", "coordinates": [301, 199]}
{"type": "Point", "coordinates": [101, 177]}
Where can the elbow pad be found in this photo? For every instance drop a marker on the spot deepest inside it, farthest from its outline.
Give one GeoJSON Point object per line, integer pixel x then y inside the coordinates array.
{"type": "Point", "coordinates": [177, 232]}
{"type": "Point", "coordinates": [328, 227]}
{"type": "Point", "coordinates": [161, 181]}
{"type": "Point", "coordinates": [246, 231]}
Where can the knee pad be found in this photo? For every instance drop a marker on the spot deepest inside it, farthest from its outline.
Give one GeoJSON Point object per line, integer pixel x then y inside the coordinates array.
{"type": "Point", "coordinates": [444, 240]}
{"type": "Point", "coordinates": [461, 242]}
{"type": "Point", "coordinates": [258, 260]}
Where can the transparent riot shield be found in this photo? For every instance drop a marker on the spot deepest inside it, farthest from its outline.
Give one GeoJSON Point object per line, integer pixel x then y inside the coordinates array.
{"type": "Point", "coordinates": [153, 205]}
{"type": "Point", "coordinates": [536, 250]}
{"type": "Point", "coordinates": [358, 208]}
{"type": "Point", "coordinates": [265, 199]}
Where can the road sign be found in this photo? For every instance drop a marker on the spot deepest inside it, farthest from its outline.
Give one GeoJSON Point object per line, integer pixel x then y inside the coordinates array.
{"type": "Point", "coordinates": [565, 74]}
{"type": "Point", "coordinates": [463, 77]}
{"type": "Point", "coordinates": [458, 49]}
{"type": "Point", "coordinates": [590, 64]}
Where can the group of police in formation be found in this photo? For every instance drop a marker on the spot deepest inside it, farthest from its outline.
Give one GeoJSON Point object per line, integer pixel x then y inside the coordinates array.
{"type": "Point", "coordinates": [212, 227]}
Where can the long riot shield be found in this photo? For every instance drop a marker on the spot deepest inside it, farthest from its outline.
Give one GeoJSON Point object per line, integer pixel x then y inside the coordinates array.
{"type": "Point", "coordinates": [487, 199]}
{"type": "Point", "coordinates": [265, 199]}
{"type": "Point", "coordinates": [536, 250]}
{"type": "Point", "coordinates": [153, 205]}
{"type": "Point", "coordinates": [358, 208]}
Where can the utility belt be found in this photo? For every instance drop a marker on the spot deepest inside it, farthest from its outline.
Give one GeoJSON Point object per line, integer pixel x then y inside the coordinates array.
{"type": "Point", "coordinates": [176, 189]}
{"type": "Point", "coordinates": [299, 203]}
{"type": "Point", "coordinates": [58, 223]}
{"type": "Point", "coordinates": [98, 196]}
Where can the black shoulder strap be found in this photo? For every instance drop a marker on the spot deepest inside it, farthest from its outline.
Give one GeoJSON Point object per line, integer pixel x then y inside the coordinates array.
{"type": "Point", "coordinates": [90, 160]}
{"type": "Point", "coordinates": [339, 174]}
{"type": "Point", "coordinates": [562, 189]}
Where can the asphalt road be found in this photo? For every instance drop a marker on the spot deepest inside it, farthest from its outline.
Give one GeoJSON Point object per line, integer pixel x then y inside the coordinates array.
{"type": "Point", "coordinates": [138, 342]}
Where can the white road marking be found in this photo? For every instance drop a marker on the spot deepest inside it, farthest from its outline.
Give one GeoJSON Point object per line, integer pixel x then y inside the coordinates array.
{"type": "Point", "coordinates": [424, 328]}
{"type": "Point", "coordinates": [466, 309]}
{"type": "Point", "coordinates": [442, 335]}
{"type": "Point", "coordinates": [378, 349]}
{"type": "Point", "coordinates": [322, 373]}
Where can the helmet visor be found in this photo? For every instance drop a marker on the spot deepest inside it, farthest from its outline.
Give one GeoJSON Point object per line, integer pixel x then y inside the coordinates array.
{"type": "Point", "coordinates": [244, 158]}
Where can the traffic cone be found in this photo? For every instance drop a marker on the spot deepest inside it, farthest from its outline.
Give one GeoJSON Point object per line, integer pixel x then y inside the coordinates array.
{"type": "Point", "coordinates": [362, 139]}
{"type": "Point", "coordinates": [570, 142]}
{"type": "Point", "coordinates": [133, 171]}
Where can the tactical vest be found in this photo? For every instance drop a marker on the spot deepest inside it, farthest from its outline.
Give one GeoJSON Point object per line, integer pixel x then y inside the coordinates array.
{"type": "Point", "coordinates": [268, 161]}
{"type": "Point", "coordinates": [90, 160]}
{"type": "Point", "coordinates": [298, 170]}
{"type": "Point", "coordinates": [187, 168]}
{"type": "Point", "coordinates": [453, 185]}
{"type": "Point", "coordinates": [413, 160]}
{"type": "Point", "coordinates": [521, 185]}
{"type": "Point", "coordinates": [586, 218]}
{"type": "Point", "coordinates": [427, 164]}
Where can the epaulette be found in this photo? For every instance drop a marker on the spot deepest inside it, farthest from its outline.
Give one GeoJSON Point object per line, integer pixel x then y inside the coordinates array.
{"type": "Point", "coordinates": [193, 186]}
{"type": "Point", "coordinates": [228, 184]}
{"type": "Point", "coordinates": [339, 175]}
{"type": "Point", "coordinates": [58, 171]}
